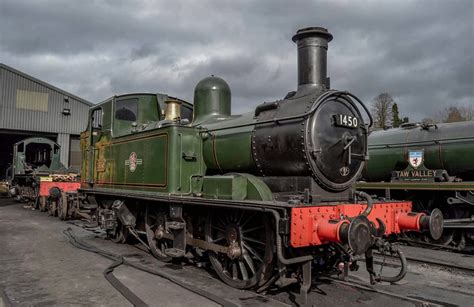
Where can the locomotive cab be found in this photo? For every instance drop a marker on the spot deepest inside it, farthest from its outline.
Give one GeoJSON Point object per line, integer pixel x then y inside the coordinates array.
{"type": "Point", "coordinates": [114, 125]}
{"type": "Point", "coordinates": [33, 159]}
{"type": "Point", "coordinates": [135, 113]}
{"type": "Point", "coordinates": [131, 113]}
{"type": "Point", "coordinates": [32, 153]}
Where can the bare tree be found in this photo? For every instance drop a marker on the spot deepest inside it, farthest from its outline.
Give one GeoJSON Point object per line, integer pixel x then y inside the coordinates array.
{"type": "Point", "coordinates": [467, 112]}
{"type": "Point", "coordinates": [382, 110]}
{"type": "Point", "coordinates": [453, 114]}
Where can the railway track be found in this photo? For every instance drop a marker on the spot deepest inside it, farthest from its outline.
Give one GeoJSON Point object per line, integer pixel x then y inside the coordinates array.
{"type": "Point", "coordinates": [224, 302]}
{"type": "Point", "coordinates": [359, 286]}
{"type": "Point", "coordinates": [442, 264]}
{"type": "Point", "coordinates": [439, 263]}
{"type": "Point", "coordinates": [423, 286]}
{"type": "Point", "coordinates": [128, 261]}
{"type": "Point", "coordinates": [419, 243]}
{"type": "Point", "coordinates": [125, 291]}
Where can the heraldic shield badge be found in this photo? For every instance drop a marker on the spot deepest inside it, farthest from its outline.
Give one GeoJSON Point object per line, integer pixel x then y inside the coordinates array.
{"type": "Point", "coordinates": [415, 158]}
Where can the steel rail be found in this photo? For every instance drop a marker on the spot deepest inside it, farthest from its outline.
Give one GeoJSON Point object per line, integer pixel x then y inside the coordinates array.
{"type": "Point", "coordinates": [383, 292]}
{"type": "Point", "coordinates": [463, 268]}
{"type": "Point", "coordinates": [440, 246]}
{"type": "Point", "coordinates": [441, 264]}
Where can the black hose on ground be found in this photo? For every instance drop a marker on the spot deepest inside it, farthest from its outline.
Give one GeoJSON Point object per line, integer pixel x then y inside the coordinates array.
{"type": "Point", "coordinates": [119, 260]}
{"type": "Point", "coordinates": [119, 286]}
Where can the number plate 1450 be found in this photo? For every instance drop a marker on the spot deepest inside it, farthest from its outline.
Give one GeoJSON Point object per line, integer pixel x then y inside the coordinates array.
{"type": "Point", "coordinates": [343, 120]}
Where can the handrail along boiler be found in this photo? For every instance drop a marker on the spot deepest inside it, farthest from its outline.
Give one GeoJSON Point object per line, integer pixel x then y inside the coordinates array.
{"type": "Point", "coordinates": [264, 194]}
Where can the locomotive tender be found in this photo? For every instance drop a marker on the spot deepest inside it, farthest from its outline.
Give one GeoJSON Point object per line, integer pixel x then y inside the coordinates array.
{"type": "Point", "coordinates": [264, 195]}
{"type": "Point", "coordinates": [446, 152]}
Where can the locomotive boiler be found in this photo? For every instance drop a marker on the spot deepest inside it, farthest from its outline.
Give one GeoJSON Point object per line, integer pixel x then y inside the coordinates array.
{"type": "Point", "coordinates": [262, 195]}
{"type": "Point", "coordinates": [446, 146]}
{"type": "Point", "coordinates": [312, 133]}
{"type": "Point", "coordinates": [445, 180]}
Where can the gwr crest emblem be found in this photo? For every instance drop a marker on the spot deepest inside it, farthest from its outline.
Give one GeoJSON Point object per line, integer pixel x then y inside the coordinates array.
{"type": "Point", "coordinates": [415, 158]}
{"type": "Point", "coordinates": [344, 171]}
{"type": "Point", "coordinates": [133, 161]}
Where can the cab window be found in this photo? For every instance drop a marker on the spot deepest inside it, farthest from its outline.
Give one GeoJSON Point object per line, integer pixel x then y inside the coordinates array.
{"type": "Point", "coordinates": [96, 118]}
{"type": "Point", "coordinates": [126, 113]}
{"type": "Point", "coordinates": [126, 109]}
{"type": "Point", "coordinates": [186, 113]}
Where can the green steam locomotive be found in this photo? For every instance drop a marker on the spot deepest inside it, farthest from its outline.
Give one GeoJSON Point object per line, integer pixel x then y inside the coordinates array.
{"type": "Point", "coordinates": [262, 195]}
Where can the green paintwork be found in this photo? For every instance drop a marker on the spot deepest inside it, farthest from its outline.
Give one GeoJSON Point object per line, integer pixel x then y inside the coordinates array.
{"type": "Point", "coordinates": [229, 150]}
{"type": "Point", "coordinates": [149, 158]}
{"type": "Point", "coordinates": [257, 189]}
{"type": "Point", "coordinates": [165, 160]}
{"type": "Point", "coordinates": [155, 156]}
{"type": "Point", "coordinates": [448, 147]}
{"type": "Point", "coordinates": [211, 100]}
{"type": "Point", "coordinates": [225, 187]}
{"type": "Point", "coordinates": [143, 148]}
{"type": "Point", "coordinates": [236, 186]}
{"type": "Point", "coordinates": [149, 111]}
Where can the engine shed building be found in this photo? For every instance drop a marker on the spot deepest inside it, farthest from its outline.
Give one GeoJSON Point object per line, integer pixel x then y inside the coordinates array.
{"type": "Point", "coordinates": [30, 107]}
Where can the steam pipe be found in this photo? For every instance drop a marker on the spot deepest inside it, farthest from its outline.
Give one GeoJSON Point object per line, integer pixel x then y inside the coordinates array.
{"type": "Point", "coordinates": [370, 202]}
{"type": "Point", "coordinates": [279, 246]}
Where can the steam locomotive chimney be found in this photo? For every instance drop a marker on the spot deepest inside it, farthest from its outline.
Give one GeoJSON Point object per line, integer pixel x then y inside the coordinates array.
{"type": "Point", "coordinates": [312, 58]}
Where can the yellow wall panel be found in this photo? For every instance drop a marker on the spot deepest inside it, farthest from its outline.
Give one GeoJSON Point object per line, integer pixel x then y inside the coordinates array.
{"type": "Point", "coordinates": [35, 101]}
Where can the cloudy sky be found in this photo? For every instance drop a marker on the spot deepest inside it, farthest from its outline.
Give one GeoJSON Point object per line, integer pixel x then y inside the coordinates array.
{"type": "Point", "coordinates": [420, 52]}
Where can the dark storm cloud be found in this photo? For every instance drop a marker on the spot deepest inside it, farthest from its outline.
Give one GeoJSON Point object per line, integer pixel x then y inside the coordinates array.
{"type": "Point", "coordinates": [421, 52]}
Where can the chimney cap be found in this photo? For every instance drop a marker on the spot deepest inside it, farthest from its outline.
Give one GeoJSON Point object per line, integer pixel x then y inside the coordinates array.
{"type": "Point", "coordinates": [312, 31]}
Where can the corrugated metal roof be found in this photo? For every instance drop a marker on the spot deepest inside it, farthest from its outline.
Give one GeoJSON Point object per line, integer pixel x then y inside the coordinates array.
{"type": "Point", "coordinates": [45, 84]}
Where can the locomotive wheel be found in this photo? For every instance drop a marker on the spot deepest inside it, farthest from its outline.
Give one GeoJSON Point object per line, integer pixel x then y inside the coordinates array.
{"type": "Point", "coordinates": [251, 233]}
{"type": "Point", "coordinates": [62, 207]}
{"type": "Point", "coordinates": [155, 224]}
{"type": "Point", "coordinates": [42, 203]}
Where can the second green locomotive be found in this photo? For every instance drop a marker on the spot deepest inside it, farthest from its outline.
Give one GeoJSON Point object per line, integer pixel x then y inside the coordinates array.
{"type": "Point", "coordinates": [441, 178]}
